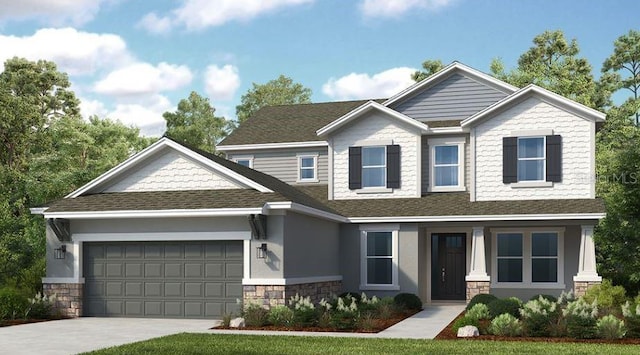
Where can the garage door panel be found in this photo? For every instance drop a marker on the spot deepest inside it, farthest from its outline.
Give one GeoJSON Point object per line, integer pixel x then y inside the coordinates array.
{"type": "Point", "coordinates": [162, 279]}
{"type": "Point", "coordinates": [231, 308]}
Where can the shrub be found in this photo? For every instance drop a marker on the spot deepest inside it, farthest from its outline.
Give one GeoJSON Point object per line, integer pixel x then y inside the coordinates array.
{"type": "Point", "coordinates": [385, 308]}
{"type": "Point", "coordinates": [566, 297]}
{"type": "Point", "coordinates": [346, 314]}
{"type": "Point", "coordinates": [581, 319]}
{"type": "Point", "coordinates": [40, 306]}
{"type": "Point", "coordinates": [408, 301]}
{"type": "Point", "coordinates": [281, 316]}
{"type": "Point", "coordinates": [367, 304]}
{"type": "Point", "coordinates": [226, 320]}
{"type": "Point", "coordinates": [304, 311]}
{"type": "Point", "coordinates": [610, 327]}
{"type": "Point", "coordinates": [254, 315]}
{"type": "Point", "coordinates": [610, 298]}
{"type": "Point", "coordinates": [507, 305]}
{"type": "Point", "coordinates": [546, 297]}
{"type": "Point", "coordinates": [463, 322]}
{"type": "Point", "coordinates": [346, 295]}
{"type": "Point", "coordinates": [13, 304]}
{"type": "Point", "coordinates": [479, 311]}
{"type": "Point", "coordinates": [539, 317]}
{"type": "Point", "coordinates": [505, 325]}
{"type": "Point", "coordinates": [631, 313]}
{"type": "Point", "coordinates": [367, 322]}
{"type": "Point", "coordinates": [483, 298]}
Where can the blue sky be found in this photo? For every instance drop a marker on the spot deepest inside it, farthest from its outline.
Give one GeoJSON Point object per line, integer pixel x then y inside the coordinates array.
{"type": "Point", "coordinates": [133, 60]}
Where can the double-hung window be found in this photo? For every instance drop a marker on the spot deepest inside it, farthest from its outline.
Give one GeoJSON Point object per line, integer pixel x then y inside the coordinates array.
{"type": "Point", "coordinates": [374, 167]}
{"type": "Point", "coordinates": [307, 168]}
{"type": "Point", "coordinates": [447, 164]}
{"type": "Point", "coordinates": [244, 160]}
{"type": "Point", "coordinates": [379, 266]}
{"type": "Point", "coordinates": [531, 159]}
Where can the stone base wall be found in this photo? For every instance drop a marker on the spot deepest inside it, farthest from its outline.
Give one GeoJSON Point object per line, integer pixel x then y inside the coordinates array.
{"type": "Point", "coordinates": [477, 287]}
{"type": "Point", "coordinates": [581, 287]}
{"type": "Point", "coordinates": [68, 298]}
{"type": "Point", "coordinates": [269, 296]}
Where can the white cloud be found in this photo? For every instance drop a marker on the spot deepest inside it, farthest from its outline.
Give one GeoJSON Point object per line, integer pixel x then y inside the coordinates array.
{"type": "Point", "coordinates": [145, 114]}
{"type": "Point", "coordinates": [221, 83]}
{"type": "Point", "coordinates": [143, 78]}
{"type": "Point", "coordinates": [200, 14]}
{"type": "Point", "coordinates": [75, 52]}
{"type": "Point", "coordinates": [54, 12]}
{"type": "Point", "coordinates": [89, 107]}
{"type": "Point", "coordinates": [363, 86]}
{"type": "Point", "coordinates": [395, 8]}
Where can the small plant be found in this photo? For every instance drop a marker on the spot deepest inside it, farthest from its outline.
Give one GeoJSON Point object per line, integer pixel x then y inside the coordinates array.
{"type": "Point", "coordinates": [40, 306]}
{"type": "Point", "coordinates": [610, 327]}
{"type": "Point", "coordinates": [226, 320]}
{"type": "Point", "coordinates": [610, 298]}
{"type": "Point", "coordinates": [281, 316]}
{"type": "Point", "coordinates": [581, 319]}
{"type": "Point", "coordinates": [483, 298]}
{"type": "Point", "coordinates": [13, 304]}
{"type": "Point", "coordinates": [254, 315]}
{"type": "Point", "coordinates": [386, 308]}
{"type": "Point", "coordinates": [346, 314]}
{"type": "Point", "coordinates": [505, 325]}
{"type": "Point", "coordinates": [465, 321]}
{"type": "Point", "coordinates": [367, 322]}
{"type": "Point", "coordinates": [507, 305]}
{"type": "Point", "coordinates": [547, 297]}
{"type": "Point", "coordinates": [479, 311]}
{"type": "Point", "coordinates": [631, 315]}
{"type": "Point", "coordinates": [539, 316]}
{"type": "Point", "coordinates": [408, 301]}
{"type": "Point", "coordinates": [304, 311]}
{"type": "Point", "coordinates": [349, 295]}
{"type": "Point", "coordinates": [566, 297]}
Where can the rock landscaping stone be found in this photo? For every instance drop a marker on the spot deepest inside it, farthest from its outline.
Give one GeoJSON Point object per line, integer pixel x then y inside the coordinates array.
{"type": "Point", "coordinates": [468, 331]}
{"type": "Point", "coordinates": [237, 323]}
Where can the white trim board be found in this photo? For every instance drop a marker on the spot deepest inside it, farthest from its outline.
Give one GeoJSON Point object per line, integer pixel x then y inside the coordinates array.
{"type": "Point", "coordinates": [236, 147]}
{"type": "Point", "coordinates": [62, 280]}
{"type": "Point", "coordinates": [160, 236]}
{"type": "Point", "coordinates": [289, 280]}
{"type": "Point", "coordinates": [155, 213]}
{"type": "Point", "coordinates": [479, 218]}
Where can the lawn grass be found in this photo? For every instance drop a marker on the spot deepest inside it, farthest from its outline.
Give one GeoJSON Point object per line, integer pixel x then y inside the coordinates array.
{"type": "Point", "coordinates": [186, 343]}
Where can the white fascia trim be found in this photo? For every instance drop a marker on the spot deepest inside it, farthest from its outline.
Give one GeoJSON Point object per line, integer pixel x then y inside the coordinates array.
{"type": "Point", "coordinates": [545, 95]}
{"type": "Point", "coordinates": [455, 66]}
{"type": "Point", "coordinates": [448, 130]}
{"type": "Point", "coordinates": [62, 280]}
{"type": "Point", "coordinates": [37, 210]}
{"type": "Point", "coordinates": [160, 236]}
{"type": "Point", "coordinates": [479, 218]}
{"type": "Point", "coordinates": [218, 212]}
{"type": "Point", "coordinates": [289, 280]}
{"type": "Point", "coordinates": [371, 105]}
{"type": "Point", "coordinates": [296, 207]}
{"type": "Point", "coordinates": [310, 144]}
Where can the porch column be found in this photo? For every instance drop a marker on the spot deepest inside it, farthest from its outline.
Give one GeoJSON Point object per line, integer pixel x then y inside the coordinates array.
{"type": "Point", "coordinates": [587, 273]}
{"type": "Point", "coordinates": [477, 280]}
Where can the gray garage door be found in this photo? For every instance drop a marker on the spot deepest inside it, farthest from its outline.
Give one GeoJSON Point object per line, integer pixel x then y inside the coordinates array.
{"type": "Point", "coordinates": [162, 279]}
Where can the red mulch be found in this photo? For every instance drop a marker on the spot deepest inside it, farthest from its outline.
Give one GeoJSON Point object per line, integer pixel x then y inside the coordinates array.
{"type": "Point", "coordinates": [377, 326]}
{"type": "Point", "coordinates": [448, 334]}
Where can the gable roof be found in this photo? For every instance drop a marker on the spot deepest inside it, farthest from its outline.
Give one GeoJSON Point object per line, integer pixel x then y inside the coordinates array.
{"type": "Point", "coordinates": [449, 70]}
{"type": "Point", "coordinates": [366, 108]}
{"type": "Point", "coordinates": [545, 95]}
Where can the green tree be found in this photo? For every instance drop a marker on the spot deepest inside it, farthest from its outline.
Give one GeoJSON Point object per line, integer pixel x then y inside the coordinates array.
{"type": "Point", "coordinates": [280, 91]}
{"type": "Point", "coordinates": [430, 67]}
{"type": "Point", "coordinates": [623, 68]}
{"type": "Point", "coordinates": [195, 123]}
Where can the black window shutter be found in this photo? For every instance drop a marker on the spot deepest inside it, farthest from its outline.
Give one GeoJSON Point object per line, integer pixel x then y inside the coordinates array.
{"type": "Point", "coordinates": [554, 158]}
{"type": "Point", "coordinates": [355, 168]}
{"type": "Point", "coordinates": [393, 166]}
{"type": "Point", "coordinates": [509, 160]}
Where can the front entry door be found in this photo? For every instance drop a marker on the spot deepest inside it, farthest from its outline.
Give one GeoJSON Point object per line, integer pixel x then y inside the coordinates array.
{"type": "Point", "coordinates": [448, 266]}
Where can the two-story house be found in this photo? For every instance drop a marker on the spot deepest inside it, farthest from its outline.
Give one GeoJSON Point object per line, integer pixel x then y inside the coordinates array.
{"type": "Point", "coordinates": [459, 185]}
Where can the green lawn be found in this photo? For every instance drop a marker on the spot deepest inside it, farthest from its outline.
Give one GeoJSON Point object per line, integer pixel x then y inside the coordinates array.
{"type": "Point", "coordinates": [255, 344]}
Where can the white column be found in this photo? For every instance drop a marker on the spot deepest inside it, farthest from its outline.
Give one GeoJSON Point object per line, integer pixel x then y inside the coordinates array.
{"type": "Point", "coordinates": [587, 262]}
{"type": "Point", "coordinates": [478, 270]}
{"type": "Point", "coordinates": [77, 261]}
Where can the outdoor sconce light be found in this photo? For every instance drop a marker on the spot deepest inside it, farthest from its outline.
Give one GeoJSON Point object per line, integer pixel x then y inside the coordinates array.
{"type": "Point", "coordinates": [261, 251]}
{"type": "Point", "coordinates": [61, 252]}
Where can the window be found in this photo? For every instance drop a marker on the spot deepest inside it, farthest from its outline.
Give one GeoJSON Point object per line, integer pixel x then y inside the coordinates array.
{"type": "Point", "coordinates": [379, 268]}
{"type": "Point", "coordinates": [529, 258]}
{"type": "Point", "coordinates": [374, 167]}
{"type": "Point", "coordinates": [244, 160]}
{"type": "Point", "coordinates": [531, 159]}
{"type": "Point", "coordinates": [307, 168]}
{"type": "Point", "coordinates": [447, 164]}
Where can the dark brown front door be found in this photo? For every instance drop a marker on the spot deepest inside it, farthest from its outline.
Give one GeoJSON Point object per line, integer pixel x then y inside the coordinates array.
{"type": "Point", "coordinates": [448, 266]}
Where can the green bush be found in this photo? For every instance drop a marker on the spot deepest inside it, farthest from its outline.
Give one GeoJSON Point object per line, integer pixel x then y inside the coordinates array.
{"type": "Point", "coordinates": [546, 297]}
{"type": "Point", "coordinates": [631, 313]}
{"type": "Point", "coordinates": [281, 316]}
{"type": "Point", "coordinates": [505, 325]}
{"type": "Point", "coordinates": [346, 314]}
{"type": "Point", "coordinates": [505, 305]}
{"type": "Point", "coordinates": [40, 306]}
{"type": "Point", "coordinates": [408, 301]}
{"type": "Point", "coordinates": [483, 298]}
{"type": "Point", "coordinates": [254, 315]}
{"type": "Point", "coordinates": [304, 311]}
{"type": "Point", "coordinates": [581, 319]}
{"type": "Point", "coordinates": [346, 295]}
{"type": "Point", "coordinates": [386, 308]}
{"type": "Point", "coordinates": [463, 322]}
{"type": "Point", "coordinates": [610, 298]}
{"type": "Point", "coordinates": [610, 327]}
{"type": "Point", "coordinates": [13, 304]}
{"type": "Point", "coordinates": [479, 311]}
{"type": "Point", "coordinates": [539, 316]}
{"type": "Point", "coordinates": [566, 298]}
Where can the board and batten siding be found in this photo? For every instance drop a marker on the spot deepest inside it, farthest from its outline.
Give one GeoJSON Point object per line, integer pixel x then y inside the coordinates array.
{"type": "Point", "coordinates": [426, 168]}
{"type": "Point", "coordinates": [283, 163]}
{"type": "Point", "coordinates": [455, 98]}
{"type": "Point", "coordinates": [533, 114]}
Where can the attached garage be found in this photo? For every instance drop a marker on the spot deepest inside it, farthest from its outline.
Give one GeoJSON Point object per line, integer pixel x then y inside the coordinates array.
{"type": "Point", "coordinates": [169, 279]}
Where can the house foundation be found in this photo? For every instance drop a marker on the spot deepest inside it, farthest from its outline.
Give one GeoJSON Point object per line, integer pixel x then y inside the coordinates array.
{"type": "Point", "coordinates": [68, 298]}
{"type": "Point", "coordinates": [274, 295]}
{"type": "Point", "coordinates": [581, 287]}
{"type": "Point", "coordinates": [475, 288]}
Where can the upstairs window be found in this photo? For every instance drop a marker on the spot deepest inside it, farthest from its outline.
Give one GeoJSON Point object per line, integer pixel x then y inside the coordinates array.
{"type": "Point", "coordinates": [308, 168]}
{"type": "Point", "coordinates": [446, 156]}
{"type": "Point", "coordinates": [533, 160]}
{"type": "Point", "coordinates": [374, 167]}
{"type": "Point", "coordinates": [244, 160]}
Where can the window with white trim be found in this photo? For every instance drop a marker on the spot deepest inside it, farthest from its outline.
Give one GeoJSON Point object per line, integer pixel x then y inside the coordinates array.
{"type": "Point", "coordinates": [379, 265]}
{"type": "Point", "coordinates": [446, 164]}
{"type": "Point", "coordinates": [244, 160]}
{"type": "Point", "coordinates": [531, 159]}
{"type": "Point", "coordinates": [374, 166]}
{"type": "Point", "coordinates": [308, 168]}
{"type": "Point", "coordinates": [528, 258]}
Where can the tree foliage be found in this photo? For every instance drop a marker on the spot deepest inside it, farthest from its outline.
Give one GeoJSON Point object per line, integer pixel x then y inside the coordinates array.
{"type": "Point", "coordinates": [623, 70]}
{"type": "Point", "coordinates": [280, 91]}
{"type": "Point", "coordinates": [195, 123]}
{"type": "Point", "coordinates": [430, 67]}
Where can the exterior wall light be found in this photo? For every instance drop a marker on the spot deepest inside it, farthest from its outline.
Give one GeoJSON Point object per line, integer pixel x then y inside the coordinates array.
{"type": "Point", "coordinates": [60, 253]}
{"type": "Point", "coordinates": [261, 251]}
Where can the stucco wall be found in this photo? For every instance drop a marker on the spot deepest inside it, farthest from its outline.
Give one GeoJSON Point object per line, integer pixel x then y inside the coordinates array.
{"type": "Point", "coordinates": [534, 114]}
{"type": "Point", "coordinates": [273, 265]}
{"type": "Point", "coordinates": [376, 128]}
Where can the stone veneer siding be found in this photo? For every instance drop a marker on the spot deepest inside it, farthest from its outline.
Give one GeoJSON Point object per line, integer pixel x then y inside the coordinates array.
{"type": "Point", "coordinates": [68, 298]}
{"type": "Point", "coordinates": [581, 287]}
{"type": "Point", "coordinates": [475, 288]}
{"type": "Point", "coordinates": [273, 295]}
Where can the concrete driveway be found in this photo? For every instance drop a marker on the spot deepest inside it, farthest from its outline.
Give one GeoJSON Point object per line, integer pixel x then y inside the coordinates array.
{"type": "Point", "coordinates": [72, 336]}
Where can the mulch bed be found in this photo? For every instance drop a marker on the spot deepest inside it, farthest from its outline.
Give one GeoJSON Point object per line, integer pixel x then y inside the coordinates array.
{"type": "Point", "coordinates": [378, 325]}
{"type": "Point", "coordinates": [10, 322]}
{"type": "Point", "coordinates": [448, 334]}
